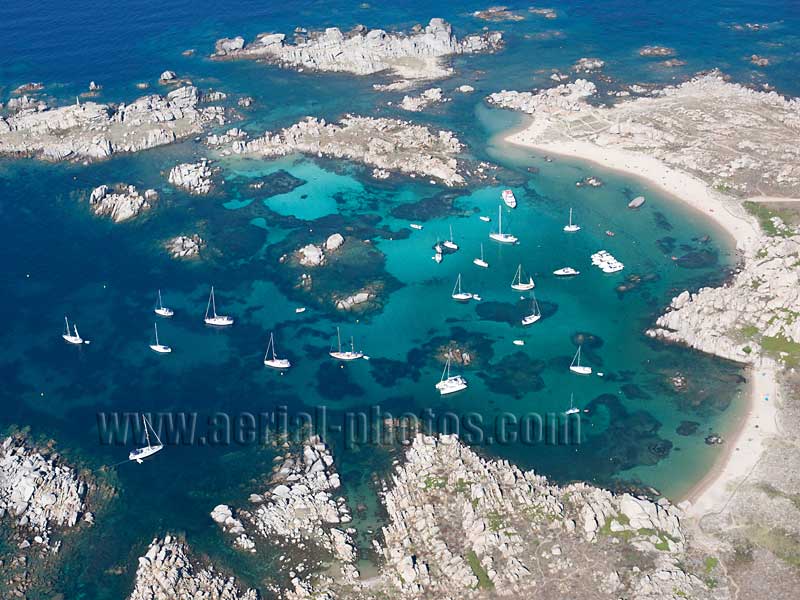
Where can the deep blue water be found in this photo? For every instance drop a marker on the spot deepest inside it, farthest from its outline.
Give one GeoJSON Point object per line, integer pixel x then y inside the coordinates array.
{"type": "Point", "coordinates": [58, 259]}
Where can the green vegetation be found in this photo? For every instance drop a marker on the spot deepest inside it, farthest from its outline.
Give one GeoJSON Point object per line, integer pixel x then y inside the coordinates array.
{"type": "Point", "coordinates": [783, 349]}
{"type": "Point", "coordinates": [748, 332]}
{"type": "Point", "coordinates": [495, 520]}
{"type": "Point", "coordinates": [434, 483]}
{"type": "Point", "coordinates": [764, 214]}
{"type": "Point", "coordinates": [461, 486]}
{"type": "Point", "coordinates": [774, 492]}
{"type": "Point", "coordinates": [710, 564]}
{"type": "Point", "coordinates": [783, 544]}
{"type": "Point", "coordinates": [484, 583]}
{"type": "Point", "coordinates": [626, 535]}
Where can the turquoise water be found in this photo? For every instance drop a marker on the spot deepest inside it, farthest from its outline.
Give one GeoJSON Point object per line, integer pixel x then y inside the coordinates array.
{"type": "Point", "coordinates": [59, 259]}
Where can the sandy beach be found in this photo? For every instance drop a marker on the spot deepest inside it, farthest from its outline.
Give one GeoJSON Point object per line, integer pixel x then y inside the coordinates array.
{"type": "Point", "coordinates": [742, 449]}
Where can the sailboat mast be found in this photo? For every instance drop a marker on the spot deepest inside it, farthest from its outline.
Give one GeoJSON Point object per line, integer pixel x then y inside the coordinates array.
{"type": "Point", "coordinates": [211, 295]}
{"type": "Point", "coordinates": [146, 433]}
{"type": "Point", "coordinates": [160, 305]}
{"type": "Point", "coordinates": [66, 323]}
{"type": "Point", "coordinates": [155, 326]}
{"type": "Point", "coordinates": [213, 301]}
{"type": "Point", "coordinates": [339, 338]}
{"type": "Point", "coordinates": [352, 345]}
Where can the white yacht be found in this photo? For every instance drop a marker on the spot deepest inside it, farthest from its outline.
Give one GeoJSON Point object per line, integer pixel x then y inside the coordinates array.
{"type": "Point", "coordinates": [214, 318]}
{"type": "Point", "coordinates": [499, 236]}
{"type": "Point", "coordinates": [450, 244]}
{"type": "Point", "coordinates": [485, 219]}
{"type": "Point", "coordinates": [458, 294]}
{"type": "Point", "coordinates": [71, 337]}
{"type": "Point", "coordinates": [518, 284]}
{"type": "Point", "coordinates": [480, 261]}
{"type": "Point", "coordinates": [141, 453]}
{"type": "Point", "coordinates": [509, 199]}
{"type": "Point", "coordinates": [571, 227]}
{"type": "Point", "coordinates": [161, 310]}
{"type": "Point", "coordinates": [450, 384]}
{"type": "Point", "coordinates": [416, 226]}
{"type": "Point", "coordinates": [347, 354]}
{"type": "Point", "coordinates": [566, 272]}
{"type": "Point", "coordinates": [535, 315]}
{"type": "Point", "coordinates": [576, 367]}
{"type": "Point", "coordinates": [275, 362]}
{"type": "Point", "coordinates": [157, 347]}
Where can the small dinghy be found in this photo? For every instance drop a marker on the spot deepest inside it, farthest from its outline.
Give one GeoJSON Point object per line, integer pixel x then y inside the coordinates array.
{"type": "Point", "coordinates": [416, 226]}
{"type": "Point", "coordinates": [485, 219]}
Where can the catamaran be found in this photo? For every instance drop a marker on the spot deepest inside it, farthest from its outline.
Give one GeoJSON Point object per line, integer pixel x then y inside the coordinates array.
{"type": "Point", "coordinates": [480, 261]}
{"type": "Point", "coordinates": [572, 408]}
{"type": "Point", "coordinates": [458, 294]}
{"type": "Point", "coordinates": [450, 384]}
{"type": "Point", "coordinates": [571, 228]}
{"type": "Point", "coordinates": [518, 284]}
{"type": "Point", "coordinates": [566, 272]}
{"type": "Point", "coordinates": [215, 319]}
{"type": "Point", "coordinates": [535, 315]}
{"type": "Point", "coordinates": [347, 354]}
{"type": "Point", "coordinates": [161, 310]}
{"type": "Point", "coordinates": [275, 362]}
{"type": "Point", "coordinates": [72, 338]}
{"type": "Point", "coordinates": [509, 199]}
{"type": "Point", "coordinates": [160, 348]}
{"type": "Point", "coordinates": [499, 236]}
{"type": "Point", "coordinates": [141, 453]}
{"type": "Point", "coordinates": [576, 367]}
{"type": "Point", "coordinates": [450, 243]}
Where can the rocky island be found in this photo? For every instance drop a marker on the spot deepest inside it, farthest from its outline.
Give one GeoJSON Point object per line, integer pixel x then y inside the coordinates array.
{"type": "Point", "coordinates": [387, 145]}
{"type": "Point", "coordinates": [417, 55]}
{"type": "Point", "coordinates": [195, 178]}
{"type": "Point", "coordinates": [87, 131]}
{"type": "Point", "coordinates": [122, 202]}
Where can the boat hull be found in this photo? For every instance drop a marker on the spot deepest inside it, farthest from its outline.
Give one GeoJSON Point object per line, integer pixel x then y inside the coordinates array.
{"type": "Point", "coordinates": [523, 287]}
{"type": "Point", "coordinates": [346, 356]}
{"type": "Point", "coordinates": [531, 319]}
{"type": "Point", "coordinates": [581, 370]}
{"type": "Point", "coordinates": [71, 339]}
{"type": "Point", "coordinates": [503, 238]}
{"type": "Point", "coordinates": [571, 228]}
{"type": "Point", "coordinates": [141, 453]}
{"type": "Point", "coordinates": [451, 385]}
{"type": "Point", "coordinates": [219, 321]}
{"type": "Point", "coordinates": [462, 297]}
{"type": "Point", "coordinates": [164, 312]}
{"type": "Point", "coordinates": [160, 348]}
{"type": "Point", "coordinates": [566, 272]}
{"type": "Point", "coordinates": [481, 263]}
{"type": "Point", "coordinates": [277, 363]}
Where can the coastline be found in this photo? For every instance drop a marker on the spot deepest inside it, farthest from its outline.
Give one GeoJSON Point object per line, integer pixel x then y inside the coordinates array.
{"type": "Point", "coordinates": [758, 420]}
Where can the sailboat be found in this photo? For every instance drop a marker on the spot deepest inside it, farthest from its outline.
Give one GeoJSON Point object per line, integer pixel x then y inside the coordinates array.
{"type": "Point", "coordinates": [517, 284]}
{"type": "Point", "coordinates": [535, 315]}
{"type": "Point", "coordinates": [162, 310]}
{"type": "Point", "coordinates": [450, 384]}
{"type": "Point", "coordinates": [576, 367]}
{"type": "Point", "coordinates": [450, 243]}
{"type": "Point", "coordinates": [215, 319]}
{"type": "Point", "coordinates": [160, 348]}
{"type": "Point", "coordinates": [72, 338]}
{"type": "Point", "coordinates": [458, 294]}
{"type": "Point", "coordinates": [572, 408]}
{"type": "Point", "coordinates": [347, 354]}
{"type": "Point", "coordinates": [509, 198]}
{"type": "Point", "coordinates": [499, 236]}
{"type": "Point", "coordinates": [571, 228]}
{"type": "Point", "coordinates": [275, 362]}
{"type": "Point", "coordinates": [480, 261]}
{"type": "Point", "coordinates": [141, 453]}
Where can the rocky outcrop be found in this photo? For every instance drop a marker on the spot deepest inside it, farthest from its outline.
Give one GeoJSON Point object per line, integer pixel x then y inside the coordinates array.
{"type": "Point", "coordinates": [37, 492]}
{"type": "Point", "coordinates": [761, 302]}
{"type": "Point", "coordinates": [416, 55]}
{"type": "Point", "coordinates": [588, 64]}
{"type": "Point", "coordinates": [120, 203]}
{"type": "Point", "coordinates": [421, 102]}
{"type": "Point", "coordinates": [384, 144]}
{"type": "Point", "coordinates": [195, 178]}
{"type": "Point", "coordinates": [311, 255]}
{"type": "Point", "coordinates": [568, 97]}
{"type": "Point", "coordinates": [184, 246]}
{"type": "Point", "coordinates": [90, 131]}
{"type": "Point", "coordinates": [168, 571]}
{"type": "Point", "coordinates": [352, 301]}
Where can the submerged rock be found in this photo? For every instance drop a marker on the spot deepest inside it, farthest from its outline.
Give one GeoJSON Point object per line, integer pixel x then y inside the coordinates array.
{"type": "Point", "coordinates": [184, 246]}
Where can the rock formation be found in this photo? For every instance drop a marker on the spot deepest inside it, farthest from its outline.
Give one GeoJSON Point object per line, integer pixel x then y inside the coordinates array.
{"type": "Point", "coordinates": [168, 571]}
{"type": "Point", "coordinates": [184, 246]}
{"type": "Point", "coordinates": [425, 99]}
{"type": "Point", "coordinates": [92, 131]}
{"type": "Point", "coordinates": [413, 56]}
{"type": "Point", "coordinates": [120, 203]}
{"type": "Point", "coordinates": [385, 144]}
{"type": "Point", "coordinates": [195, 178]}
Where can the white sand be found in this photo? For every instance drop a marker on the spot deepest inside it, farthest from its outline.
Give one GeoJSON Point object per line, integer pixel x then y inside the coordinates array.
{"type": "Point", "coordinates": [743, 449]}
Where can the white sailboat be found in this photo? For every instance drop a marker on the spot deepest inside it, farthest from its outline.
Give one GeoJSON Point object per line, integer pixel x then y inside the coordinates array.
{"type": "Point", "coordinates": [458, 294]}
{"type": "Point", "coordinates": [535, 315]}
{"type": "Point", "coordinates": [576, 367]}
{"type": "Point", "coordinates": [160, 348]}
{"type": "Point", "coordinates": [450, 384]}
{"type": "Point", "coordinates": [141, 453]}
{"type": "Point", "coordinates": [72, 338]}
{"type": "Point", "coordinates": [571, 228]}
{"type": "Point", "coordinates": [347, 354]}
{"type": "Point", "coordinates": [499, 236]}
{"type": "Point", "coordinates": [480, 261]}
{"type": "Point", "coordinates": [215, 319]}
{"type": "Point", "coordinates": [572, 408]}
{"type": "Point", "coordinates": [566, 272]}
{"type": "Point", "coordinates": [450, 243]}
{"type": "Point", "coordinates": [161, 310]}
{"type": "Point", "coordinates": [509, 198]}
{"type": "Point", "coordinates": [518, 284]}
{"type": "Point", "coordinates": [275, 362]}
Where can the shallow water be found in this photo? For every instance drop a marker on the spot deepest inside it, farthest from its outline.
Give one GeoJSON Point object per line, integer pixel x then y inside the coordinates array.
{"type": "Point", "coordinates": [60, 260]}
